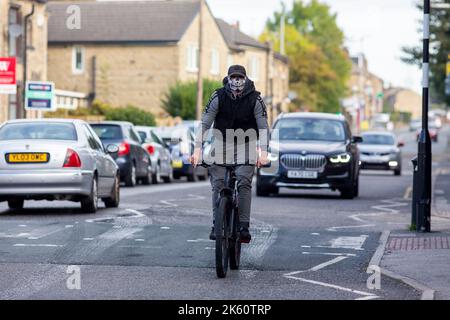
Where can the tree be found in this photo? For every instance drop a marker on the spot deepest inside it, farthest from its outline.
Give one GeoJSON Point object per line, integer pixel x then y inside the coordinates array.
{"type": "Point", "coordinates": [439, 49]}
{"type": "Point", "coordinates": [180, 99]}
{"type": "Point", "coordinates": [319, 65]}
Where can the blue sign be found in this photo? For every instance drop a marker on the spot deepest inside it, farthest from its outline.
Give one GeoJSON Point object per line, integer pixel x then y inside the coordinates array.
{"type": "Point", "coordinates": [40, 95]}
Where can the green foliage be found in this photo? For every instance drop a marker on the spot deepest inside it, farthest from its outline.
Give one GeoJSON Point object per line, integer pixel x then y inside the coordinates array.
{"type": "Point", "coordinates": [132, 114]}
{"type": "Point", "coordinates": [129, 113]}
{"type": "Point", "coordinates": [319, 65]}
{"type": "Point", "coordinates": [439, 48]}
{"type": "Point", "coordinates": [180, 100]}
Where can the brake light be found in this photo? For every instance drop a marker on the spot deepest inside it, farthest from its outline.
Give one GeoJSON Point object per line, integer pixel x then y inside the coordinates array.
{"type": "Point", "coordinates": [72, 159]}
{"type": "Point", "coordinates": [151, 149]}
{"type": "Point", "coordinates": [124, 149]}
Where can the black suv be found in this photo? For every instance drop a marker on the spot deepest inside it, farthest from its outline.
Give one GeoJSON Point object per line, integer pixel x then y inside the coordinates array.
{"type": "Point", "coordinates": [311, 150]}
{"type": "Point", "coordinates": [133, 160]}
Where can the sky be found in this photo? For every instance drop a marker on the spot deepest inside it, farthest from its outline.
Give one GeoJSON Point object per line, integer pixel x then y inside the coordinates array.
{"type": "Point", "coordinates": [377, 28]}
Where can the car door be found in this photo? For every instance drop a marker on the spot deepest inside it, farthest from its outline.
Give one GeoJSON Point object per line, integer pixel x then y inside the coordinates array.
{"type": "Point", "coordinates": [164, 154]}
{"type": "Point", "coordinates": [98, 154]}
{"type": "Point", "coordinates": [108, 162]}
{"type": "Point", "coordinates": [141, 154]}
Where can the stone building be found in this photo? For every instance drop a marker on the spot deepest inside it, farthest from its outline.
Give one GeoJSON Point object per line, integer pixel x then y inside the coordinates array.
{"type": "Point", "coordinates": [132, 52]}
{"type": "Point", "coordinates": [12, 22]}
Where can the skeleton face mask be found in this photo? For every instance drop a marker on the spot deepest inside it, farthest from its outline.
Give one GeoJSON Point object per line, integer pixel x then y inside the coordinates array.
{"type": "Point", "coordinates": [237, 83]}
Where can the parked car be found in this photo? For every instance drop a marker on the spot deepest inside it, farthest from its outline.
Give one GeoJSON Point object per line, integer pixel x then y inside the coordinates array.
{"type": "Point", "coordinates": [415, 124]}
{"type": "Point", "coordinates": [159, 154]}
{"type": "Point", "coordinates": [56, 159]}
{"type": "Point", "coordinates": [381, 151]}
{"type": "Point", "coordinates": [311, 150]}
{"type": "Point", "coordinates": [181, 143]}
{"type": "Point", "coordinates": [433, 130]}
{"type": "Point", "coordinates": [133, 160]}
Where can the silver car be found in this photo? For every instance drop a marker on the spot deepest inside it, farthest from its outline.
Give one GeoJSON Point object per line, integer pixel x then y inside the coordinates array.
{"type": "Point", "coordinates": [56, 159]}
{"type": "Point", "coordinates": [159, 154]}
{"type": "Point", "coordinates": [381, 151]}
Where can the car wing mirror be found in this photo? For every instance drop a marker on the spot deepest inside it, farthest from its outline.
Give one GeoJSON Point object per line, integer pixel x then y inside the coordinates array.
{"type": "Point", "coordinates": [112, 149]}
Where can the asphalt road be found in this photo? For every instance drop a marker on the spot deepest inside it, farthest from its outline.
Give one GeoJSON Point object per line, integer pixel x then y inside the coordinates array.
{"type": "Point", "coordinates": [306, 244]}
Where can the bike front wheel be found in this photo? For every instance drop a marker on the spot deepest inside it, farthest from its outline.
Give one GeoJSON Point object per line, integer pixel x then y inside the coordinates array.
{"type": "Point", "coordinates": [222, 229]}
{"type": "Point", "coordinates": [235, 242]}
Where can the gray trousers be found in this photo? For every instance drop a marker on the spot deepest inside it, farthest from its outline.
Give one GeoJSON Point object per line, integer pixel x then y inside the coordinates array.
{"type": "Point", "coordinates": [244, 176]}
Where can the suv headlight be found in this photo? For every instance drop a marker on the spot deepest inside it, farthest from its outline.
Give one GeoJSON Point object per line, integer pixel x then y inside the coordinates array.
{"type": "Point", "coordinates": [272, 156]}
{"type": "Point", "coordinates": [340, 158]}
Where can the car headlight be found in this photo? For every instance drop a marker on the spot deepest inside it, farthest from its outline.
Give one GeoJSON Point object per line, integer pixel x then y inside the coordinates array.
{"type": "Point", "coordinates": [340, 158]}
{"type": "Point", "coordinates": [272, 156]}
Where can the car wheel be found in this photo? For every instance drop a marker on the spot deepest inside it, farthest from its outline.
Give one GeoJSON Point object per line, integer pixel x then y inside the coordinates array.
{"type": "Point", "coordinates": [192, 177]}
{"type": "Point", "coordinates": [264, 191]}
{"type": "Point", "coordinates": [90, 203]}
{"type": "Point", "coordinates": [114, 200]}
{"type": "Point", "coordinates": [156, 177]}
{"type": "Point", "coordinates": [169, 178]}
{"type": "Point", "coordinates": [398, 172]}
{"type": "Point", "coordinates": [131, 179]}
{"type": "Point", "coordinates": [16, 204]}
{"type": "Point", "coordinates": [350, 192]}
{"type": "Point", "coordinates": [148, 179]}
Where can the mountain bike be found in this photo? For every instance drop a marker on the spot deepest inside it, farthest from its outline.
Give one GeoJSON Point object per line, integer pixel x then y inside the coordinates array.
{"type": "Point", "coordinates": [226, 225]}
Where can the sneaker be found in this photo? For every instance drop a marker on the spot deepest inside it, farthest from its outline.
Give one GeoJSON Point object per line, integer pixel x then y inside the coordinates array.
{"type": "Point", "coordinates": [245, 235]}
{"type": "Point", "coordinates": [212, 234]}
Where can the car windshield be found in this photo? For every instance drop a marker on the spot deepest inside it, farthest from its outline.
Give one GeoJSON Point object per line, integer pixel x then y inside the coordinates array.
{"type": "Point", "coordinates": [108, 131]}
{"type": "Point", "coordinates": [378, 139]}
{"type": "Point", "coordinates": [38, 130]}
{"type": "Point", "coordinates": [309, 129]}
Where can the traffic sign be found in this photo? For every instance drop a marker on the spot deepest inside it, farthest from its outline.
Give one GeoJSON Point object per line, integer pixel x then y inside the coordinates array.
{"type": "Point", "coordinates": [40, 95]}
{"type": "Point", "coordinates": [8, 84]}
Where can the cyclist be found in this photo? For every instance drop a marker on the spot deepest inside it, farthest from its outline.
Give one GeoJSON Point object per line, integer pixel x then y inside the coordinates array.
{"type": "Point", "coordinates": [237, 105]}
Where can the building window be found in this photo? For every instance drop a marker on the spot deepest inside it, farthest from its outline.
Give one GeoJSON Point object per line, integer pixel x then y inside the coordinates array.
{"type": "Point", "coordinates": [192, 58]}
{"type": "Point", "coordinates": [215, 64]}
{"type": "Point", "coordinates": [78, 60]}
{"type": "Point", "coordinates": [15, 33]}
{"type": "Point", "coordinates": [230, 61]}
{"type": "Point", "coordinates": [253, 68]}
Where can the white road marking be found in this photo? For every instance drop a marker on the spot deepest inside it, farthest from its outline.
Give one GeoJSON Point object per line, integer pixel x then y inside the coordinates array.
{"type": "Point", "coordinates": [36, 245]}
{"type": "Point", "coordinates": [165, 228]}
{"type": "Point", "coordinates": [368, 298]}
{"type": "Point", "coordinates": [22, 225]}
{"type": "Point", "coordinates": [408, 192]}
{"type": "Point", "coordinates": [210, 248]}
{"type": "Point", "coordinates": [354, 243]}
{"type": "Point", "coordinates": [315, 234]}
{"type": "Point", "coordinates": [200, 240]}
{"type": "Point", "coordinates": [141, 247]}
{"type": "Point", "coordinates": [137, 214]}
{"type": "Point", "coordinates": [68, 226]}
{"type": "Point", "coordinates": [306, 246]}
{"type": "Point", "coordinates": [139, 240]}
{"type": "Point", "coordinates": [329, 285]}
{"type": "Point", "coordinates": [32, 238]}
{"type": "Point", "coordinates": [88, 239]}
{"type": "Point", "coordinates": [320, 266]}
{"type": "Point", "coordinates": [331, 253]}
{"type": "Point", "coordinates": [350, 227]}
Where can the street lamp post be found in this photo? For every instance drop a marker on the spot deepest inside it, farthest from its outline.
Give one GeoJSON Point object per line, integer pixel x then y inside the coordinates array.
{"type": "Point", "coordinates": [422, 186]}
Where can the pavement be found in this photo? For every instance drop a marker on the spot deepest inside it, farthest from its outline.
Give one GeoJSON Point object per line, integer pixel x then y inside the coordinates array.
{"type": "Point", "coordinates": [306, 244]}
{"type": "Point", "coordinates": [423, 259]}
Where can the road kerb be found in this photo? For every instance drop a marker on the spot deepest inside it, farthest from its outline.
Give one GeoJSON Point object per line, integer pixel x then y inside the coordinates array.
{"type": "Point", "coordinates": [427, 293]}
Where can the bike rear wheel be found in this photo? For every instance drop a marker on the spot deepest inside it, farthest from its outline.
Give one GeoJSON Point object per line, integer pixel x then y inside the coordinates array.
{"type": "Point", "coordinates": [222, 229]}
{"type": "Point", "coordinates": [235, 242]}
